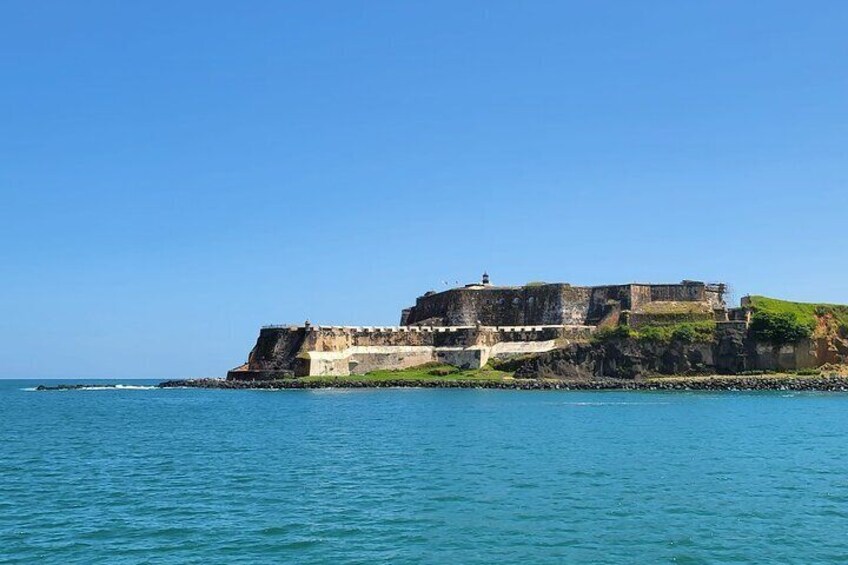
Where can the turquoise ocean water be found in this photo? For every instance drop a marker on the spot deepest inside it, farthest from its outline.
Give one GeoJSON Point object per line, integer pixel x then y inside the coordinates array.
{"type": "Point", "coordinates": [421, 476]}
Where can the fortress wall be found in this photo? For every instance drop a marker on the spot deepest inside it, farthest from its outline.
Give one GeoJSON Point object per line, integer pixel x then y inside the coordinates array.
{"type": "Point", "coordinates": [326, 366]}
{"type": "Point", "coordinates": [678, 292]}
{"type": "Point", "coordinates": [518, 334]}
{"type": "Point", "coordinates": [635, 296]}
{"type": "Point", "coordinates": [432, 308]}
{"type": "Point", "coordinates": [327, 339]}
{"type": "Point", "coordinates": [506, 349]}
{"type": "Point", "coordinates": [600, 298]}
{"type": "Point", "coordinates": [335, 338]}
{"type": "Point", "coordinates": [715, 297]}
{"type": "Point", "coordinates": [276, 349]}
{"type": "Point", "coordinates": [339, 338]}
{"type": "Point", "coordinates": [640, 294]}
{"type": "Point", "coordinates": [365, 359]}
{"type": "Point", "coordinates": [800, 355]}
{"type": "Point", "coordinates": [490, 306]}
{"type": "Point", "coordinates": [574, 305]}
{"type": "Point", "coordinates": [337, 350]}
{"type": "Point", "coordinates": [547, 304]}
{"type": "Point", "coordinates": [468, 348]}
{"type": "Point", "coordinates": [370, 359]}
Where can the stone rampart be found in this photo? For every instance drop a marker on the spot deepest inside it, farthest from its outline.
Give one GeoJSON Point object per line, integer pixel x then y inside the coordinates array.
{"type": "Point", "coordinates": [545, 304]}
{"type": "Point", "coordinates": [551, 304]}
{"type": "Point", "coordinates": [344, 350]}
{"type": "Point", "coordinates": [276, 349]}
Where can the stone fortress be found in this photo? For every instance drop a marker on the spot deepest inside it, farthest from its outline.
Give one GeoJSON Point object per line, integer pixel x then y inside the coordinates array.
{"type": "Point", "coordinates": [470, 325]}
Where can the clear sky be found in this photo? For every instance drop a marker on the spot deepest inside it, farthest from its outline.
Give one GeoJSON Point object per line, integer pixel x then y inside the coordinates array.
{"type": "Point", "coordinates": [175, 174]}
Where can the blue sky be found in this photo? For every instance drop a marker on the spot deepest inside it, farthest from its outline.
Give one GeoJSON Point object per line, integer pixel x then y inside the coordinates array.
{"type": "Point", "coordinates": [175, 174]}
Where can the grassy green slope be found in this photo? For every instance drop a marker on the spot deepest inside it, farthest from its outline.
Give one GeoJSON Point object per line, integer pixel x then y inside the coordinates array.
{"type": "Point", "coordinates": [805, 312]}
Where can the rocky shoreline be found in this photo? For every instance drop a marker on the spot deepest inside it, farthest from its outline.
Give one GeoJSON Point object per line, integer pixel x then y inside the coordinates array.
{"type": "Point", "coordinates": [833, 383]}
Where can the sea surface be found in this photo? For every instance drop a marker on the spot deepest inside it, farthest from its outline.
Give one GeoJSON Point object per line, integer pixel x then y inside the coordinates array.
{"type": "Point", "coordinates": [141, 475]}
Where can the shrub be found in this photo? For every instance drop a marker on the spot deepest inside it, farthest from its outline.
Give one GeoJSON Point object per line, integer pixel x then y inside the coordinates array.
{"type": "Point", "coordinates": [694, 332]}
{"type": "Point", "coordinates": [686, 332]}
{"type": "Point", "coordinates": [657, 334]}
{"type": "Point", "coordinates": [509, 364]}
{"type": "Point", "coordinates": [617, 332]}
{"type": "Point", "coordinates": [779, 328]}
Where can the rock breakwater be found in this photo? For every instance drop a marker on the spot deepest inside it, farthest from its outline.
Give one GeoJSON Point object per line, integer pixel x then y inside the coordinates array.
{"type": "Point", "coordinates": [835, 383]}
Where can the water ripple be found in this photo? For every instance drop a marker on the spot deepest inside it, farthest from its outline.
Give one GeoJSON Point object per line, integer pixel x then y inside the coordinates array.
{"type": "Point", "coordinates": [421, 476]}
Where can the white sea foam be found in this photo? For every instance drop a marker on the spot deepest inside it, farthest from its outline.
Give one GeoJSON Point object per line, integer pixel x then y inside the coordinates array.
{"type": "Point", "coordinates": [119, 387]}
{"type": "Point", "coordinates": [623, 403]}
{"type": "Point", "coordinates": [331, 390]}
{"type": "Point", "coordinates": [96, 387]}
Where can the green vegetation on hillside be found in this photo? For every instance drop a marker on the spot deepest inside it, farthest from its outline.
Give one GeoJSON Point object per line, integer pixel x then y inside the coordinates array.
{"type": "Point", "coordinates": [781, 321]}
{"type": "Point", "coordinates": [779, 328]}
{"type": "Point", "coordinates": [806, 313]}
{"type": "Point", "coordinates": [685, 332]}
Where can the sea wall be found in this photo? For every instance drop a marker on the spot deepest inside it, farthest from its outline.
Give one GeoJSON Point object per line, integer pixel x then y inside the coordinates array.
{"type": "Point", "coordinates": [791, 356]}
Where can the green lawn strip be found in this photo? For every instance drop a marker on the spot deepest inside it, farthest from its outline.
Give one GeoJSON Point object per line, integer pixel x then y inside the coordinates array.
{"type": "Point", "coordinates": [443, 373]}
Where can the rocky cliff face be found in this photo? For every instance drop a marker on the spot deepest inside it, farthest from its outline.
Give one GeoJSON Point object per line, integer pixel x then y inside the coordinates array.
{"type": "Point", "coordinates": [624, 358]}
{"type": "Point", "coordinates": [733, 351]}
{"type": "Point", "coordinates": [620, 359]}
{"type": "Point", "coordinates": [830, 340]}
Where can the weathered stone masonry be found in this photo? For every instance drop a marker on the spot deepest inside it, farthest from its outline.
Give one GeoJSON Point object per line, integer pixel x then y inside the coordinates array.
{"type": "Point", "coordinates": [467, 326]}
{"type": "Point", "coordinates": [554, 304]}
{"type": "Point", "coordinates": [337, 351]}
